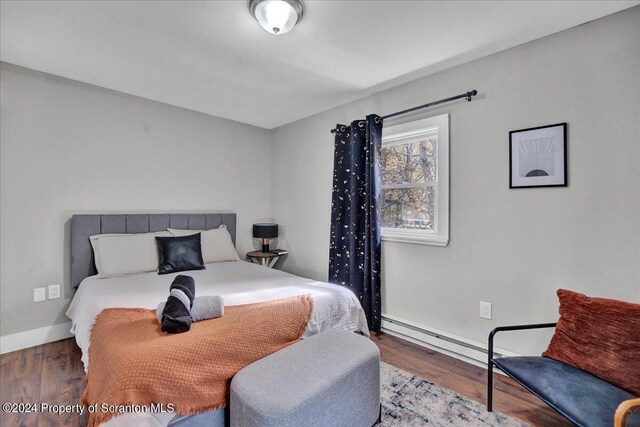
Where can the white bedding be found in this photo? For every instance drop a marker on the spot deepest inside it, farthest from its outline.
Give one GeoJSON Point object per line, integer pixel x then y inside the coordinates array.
{"type": "Point", "coordinates": [238, 282]}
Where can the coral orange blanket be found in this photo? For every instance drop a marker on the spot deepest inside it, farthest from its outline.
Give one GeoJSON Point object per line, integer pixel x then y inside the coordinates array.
{"type": "Point", "coordinates": [132, 362]}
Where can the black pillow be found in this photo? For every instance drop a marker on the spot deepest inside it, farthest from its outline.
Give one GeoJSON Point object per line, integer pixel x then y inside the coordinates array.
{"type": "Point", "coordinates": [179, 254]}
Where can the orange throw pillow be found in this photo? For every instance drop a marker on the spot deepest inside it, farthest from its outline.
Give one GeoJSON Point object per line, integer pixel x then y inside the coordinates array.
{"type": "Point", "coordinates": [600, 336]}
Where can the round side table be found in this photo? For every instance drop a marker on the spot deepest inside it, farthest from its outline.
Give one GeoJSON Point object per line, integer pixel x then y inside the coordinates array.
{"type": "Point", "coordinates": [268, 259]}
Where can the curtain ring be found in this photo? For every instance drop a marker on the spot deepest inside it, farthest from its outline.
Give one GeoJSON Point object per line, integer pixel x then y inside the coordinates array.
{"type": "Point", "coordinates": [378, 119]}
{"type": "Point", "coordinates": [361, 124]}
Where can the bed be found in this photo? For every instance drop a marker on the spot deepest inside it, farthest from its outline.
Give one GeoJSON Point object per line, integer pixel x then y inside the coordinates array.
{"type": "Point", "coordinates": [238, 282]}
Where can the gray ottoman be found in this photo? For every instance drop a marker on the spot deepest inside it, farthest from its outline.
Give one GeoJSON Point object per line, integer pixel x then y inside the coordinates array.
{"type": "Point", "coordinates": [329, 379]}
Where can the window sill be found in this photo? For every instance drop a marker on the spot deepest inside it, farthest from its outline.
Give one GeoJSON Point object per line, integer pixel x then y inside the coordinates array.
{"type": "Point", "coordinates": [416, 239]}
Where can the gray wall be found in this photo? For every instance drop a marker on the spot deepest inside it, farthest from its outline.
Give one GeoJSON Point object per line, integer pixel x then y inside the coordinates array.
{"type": "Point", "coordinates": [513, 248]}
{"type": "Point", "coordinates": [68, 147]}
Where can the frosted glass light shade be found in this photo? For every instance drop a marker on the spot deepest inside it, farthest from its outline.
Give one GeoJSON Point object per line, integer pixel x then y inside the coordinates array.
{"type": "Point", "coordinates": [276, 16]}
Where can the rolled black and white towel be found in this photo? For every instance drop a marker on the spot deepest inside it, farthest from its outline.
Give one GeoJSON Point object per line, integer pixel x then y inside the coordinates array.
{"type": "Point", "coordinates": [176, 315]}
{"type": "Point", "coordinates": [204, 307]}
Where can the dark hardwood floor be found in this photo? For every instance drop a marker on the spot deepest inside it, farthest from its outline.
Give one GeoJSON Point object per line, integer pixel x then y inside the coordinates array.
{"type": "Point", "coordinates": [53, 373]}
{"type": "Point", "coordinates": [50, 373]}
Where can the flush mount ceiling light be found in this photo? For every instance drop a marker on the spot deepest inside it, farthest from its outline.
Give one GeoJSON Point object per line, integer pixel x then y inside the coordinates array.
{"type": "Point", "coordinates": [276, 16]}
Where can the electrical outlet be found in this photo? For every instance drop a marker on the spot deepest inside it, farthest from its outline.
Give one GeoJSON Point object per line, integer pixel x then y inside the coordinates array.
{"type": "Point", "coordinates": [485, 310]}
{"type": "Point", "coordinates": [54, 291]}
{"type": "Point", "coordinates": [39, 294]}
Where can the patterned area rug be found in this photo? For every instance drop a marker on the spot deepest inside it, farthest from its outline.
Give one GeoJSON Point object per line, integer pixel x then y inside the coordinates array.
{"type": "Point", "coordinates": [411, 401]}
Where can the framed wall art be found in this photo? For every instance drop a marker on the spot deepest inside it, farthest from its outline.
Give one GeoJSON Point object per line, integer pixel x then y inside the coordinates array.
{"type": "Point", "coordinates": [538, 157]}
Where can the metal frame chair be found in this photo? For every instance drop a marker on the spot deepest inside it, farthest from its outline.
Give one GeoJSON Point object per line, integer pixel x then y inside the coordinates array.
{"type": "Point", "coordinates": [623, 411]}
{"type": "Point", "coordinates": [490, 363]}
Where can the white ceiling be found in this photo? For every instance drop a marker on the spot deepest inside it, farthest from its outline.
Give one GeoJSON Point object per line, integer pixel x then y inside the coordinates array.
{"type": "Point", "coordinates": [211, 56]}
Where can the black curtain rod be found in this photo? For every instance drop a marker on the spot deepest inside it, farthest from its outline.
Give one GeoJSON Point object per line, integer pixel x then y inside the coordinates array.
{"type": "Point", "coordinates": [467, 95]}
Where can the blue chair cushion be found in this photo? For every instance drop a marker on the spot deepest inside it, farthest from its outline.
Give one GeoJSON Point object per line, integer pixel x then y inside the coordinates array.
{"type": "Point", "coordinates": [584, 399]}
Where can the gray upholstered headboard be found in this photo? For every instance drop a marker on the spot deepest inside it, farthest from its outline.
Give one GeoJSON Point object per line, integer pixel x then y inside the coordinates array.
{"type": "Point", "coordinates": [83, 226]}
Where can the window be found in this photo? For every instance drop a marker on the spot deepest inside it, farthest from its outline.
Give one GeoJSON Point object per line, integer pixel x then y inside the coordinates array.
{"type": "Point", "coordinates": [414, 169]}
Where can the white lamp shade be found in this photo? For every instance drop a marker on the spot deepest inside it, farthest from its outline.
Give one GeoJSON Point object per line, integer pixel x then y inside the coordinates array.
{"type": "Point", "coordinates": [276, 16]}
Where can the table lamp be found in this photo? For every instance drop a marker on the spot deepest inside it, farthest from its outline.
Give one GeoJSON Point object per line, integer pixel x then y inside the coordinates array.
{"type": "Point", "coordinates": [265, 231]}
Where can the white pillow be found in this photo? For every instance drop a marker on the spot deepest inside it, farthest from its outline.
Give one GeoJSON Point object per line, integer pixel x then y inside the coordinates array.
{"type": "Point", "coordinates": [121, 254]}
{"type": "Point", "coordinates": [217, 245]}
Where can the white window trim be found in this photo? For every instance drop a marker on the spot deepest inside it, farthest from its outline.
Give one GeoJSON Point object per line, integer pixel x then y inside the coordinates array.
{"type": "Point", "coordinates": [399, 134]}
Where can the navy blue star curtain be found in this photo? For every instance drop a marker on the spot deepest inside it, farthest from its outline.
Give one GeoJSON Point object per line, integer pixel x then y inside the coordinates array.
{"type": "Point", "coordinates": [354, 253]}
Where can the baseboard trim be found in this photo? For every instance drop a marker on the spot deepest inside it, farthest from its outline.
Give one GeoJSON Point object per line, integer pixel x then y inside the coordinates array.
{"type": "Point", "coordinates": [33, 337]}
{"type": "Point", "coordinates": [453, 345]}
{"type": "Point", "coordinates": [470, 351]}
